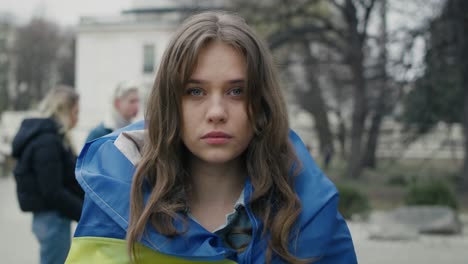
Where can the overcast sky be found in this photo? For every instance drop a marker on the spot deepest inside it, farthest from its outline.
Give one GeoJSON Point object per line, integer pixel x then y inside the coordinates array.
{"type": "Point", "coordinates": [65, 12]}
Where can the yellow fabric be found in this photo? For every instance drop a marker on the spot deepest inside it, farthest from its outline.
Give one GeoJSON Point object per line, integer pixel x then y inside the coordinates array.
{"type": "Point", "coordinates": [114, 251]}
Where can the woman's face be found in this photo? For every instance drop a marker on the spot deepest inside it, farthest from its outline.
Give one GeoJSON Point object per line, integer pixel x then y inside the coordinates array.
{"type": "Point", "coordinates": [215, 125]}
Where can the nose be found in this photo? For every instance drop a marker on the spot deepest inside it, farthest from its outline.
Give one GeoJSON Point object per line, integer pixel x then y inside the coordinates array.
{"type": "Point", "coordinates": [217, 112]}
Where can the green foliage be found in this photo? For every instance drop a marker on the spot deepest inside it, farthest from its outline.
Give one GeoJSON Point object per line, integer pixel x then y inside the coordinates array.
{"type": "Point", "coordinates": [437, 95]}
{"type": "Point", "coordinates": [397, 180]}
{"type": "Point", "coordinates": [431, 192]}
{"type": "Point", "coordinates": [352, 201]}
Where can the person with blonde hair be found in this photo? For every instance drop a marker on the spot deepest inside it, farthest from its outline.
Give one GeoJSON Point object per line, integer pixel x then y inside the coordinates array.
{"type": "Point", "coordinates": [125, 107]}
{"type": "Point", "coordinates": [213, 174]}
{"type": "Point", "coordinates": [44, 173]}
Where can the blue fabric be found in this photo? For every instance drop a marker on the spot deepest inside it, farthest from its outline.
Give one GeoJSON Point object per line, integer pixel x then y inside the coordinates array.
{"type": "Point", "coordinates": [105, 174]}
{"type": "Point", "coordinates": [54, 235]}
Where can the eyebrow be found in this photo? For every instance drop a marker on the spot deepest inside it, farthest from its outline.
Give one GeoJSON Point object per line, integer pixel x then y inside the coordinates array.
{"type": "Point", "coordinates": [197, 81]}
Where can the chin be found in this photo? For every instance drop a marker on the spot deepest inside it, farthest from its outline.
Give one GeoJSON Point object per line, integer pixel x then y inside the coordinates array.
{"type": "Point", "coordinates": [219, 158]}
{"type": "Point", "coordinates": [216, 160]}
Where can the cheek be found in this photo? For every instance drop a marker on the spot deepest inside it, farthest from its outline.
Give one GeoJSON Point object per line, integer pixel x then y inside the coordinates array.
{"type": "Point", "coordinates": [188, 111]}
{"type": "Point", "coordinates": [130, 108]}
{"type": "Point", "coordinates": [184, 120]}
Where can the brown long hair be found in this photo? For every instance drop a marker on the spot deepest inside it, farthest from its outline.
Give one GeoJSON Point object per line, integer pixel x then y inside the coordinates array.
{"type": "Point", "coordinates": [269, 156]}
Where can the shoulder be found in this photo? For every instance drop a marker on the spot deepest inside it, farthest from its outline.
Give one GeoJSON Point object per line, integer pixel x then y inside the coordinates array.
{"type": "Point", "coordinates": [46, 148]}
{"type": "Point", "coordinates": [311, 184]}
{"type": "Point", "coordinates": [313, 188]}
{"type": "Point", "coordinates": [48, 140]}
{"type": "Point", "coordinates": [103, 154]}
{"type": "Point", "coordinates": [105, 173]}
{"type": "Point", "coordinates": [322, 230]}
{"type": "Point", "coordinates": [98, 132]}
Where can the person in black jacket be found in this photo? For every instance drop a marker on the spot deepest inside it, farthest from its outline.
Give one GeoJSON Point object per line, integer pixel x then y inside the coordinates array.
{"type": "Point", "coordinates": [44, 173]}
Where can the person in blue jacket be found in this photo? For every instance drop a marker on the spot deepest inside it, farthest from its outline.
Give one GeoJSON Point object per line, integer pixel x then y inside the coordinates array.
{"type": "Point", "coordinates": [213, 174]}
{"type": "Point", "coordinates": [125, 106]}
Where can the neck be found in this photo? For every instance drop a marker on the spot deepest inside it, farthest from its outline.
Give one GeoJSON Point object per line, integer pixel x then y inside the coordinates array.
{"type": "Point", "coordinates": [116, 121]}
{"type": "Point", "coordinates": [216, 184]}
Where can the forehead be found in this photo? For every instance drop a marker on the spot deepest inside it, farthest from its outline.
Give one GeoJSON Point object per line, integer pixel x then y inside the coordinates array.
{"type": "Point", "coordinates": [218, 60]}
{"type": "Point", "coordinates": [130, 94]}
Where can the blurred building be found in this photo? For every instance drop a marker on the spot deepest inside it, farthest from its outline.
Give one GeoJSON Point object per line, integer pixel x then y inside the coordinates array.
{"type": "Point", "coordinates": [123, 47]}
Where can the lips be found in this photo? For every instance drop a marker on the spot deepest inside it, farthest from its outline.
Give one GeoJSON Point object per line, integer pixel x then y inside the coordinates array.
{"type": "Point", "coordinates": [216, 137]}
{"type": "Point", "coordinates": [216, 134]}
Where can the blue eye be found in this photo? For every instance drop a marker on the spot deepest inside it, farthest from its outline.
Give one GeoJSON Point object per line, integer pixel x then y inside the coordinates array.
{"type": "Point", "coordinates": [236, 92]}
{"type": "Point", "coordinates": [194, 92]}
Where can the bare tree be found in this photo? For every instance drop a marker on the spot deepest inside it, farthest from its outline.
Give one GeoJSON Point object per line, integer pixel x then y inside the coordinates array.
{"type": "Point", "coordinates": [382, 100]}
{"type": "Point", "coordinates": [36, 52]}
{"type": "Point", "coordinates": [346, 33]}
{"type": "Point", "coordinates": [311, 99]}
{"type": "Point", "coordinates": [275, 19]}
{"type": "Point", "coordinates": [6, 30]}
{"type": "Point", "coordinates": [357, 34]}
{"type": "Point", "coordinates": [340, 25]}
{"type": "Point", "coordinates": [66, 58]}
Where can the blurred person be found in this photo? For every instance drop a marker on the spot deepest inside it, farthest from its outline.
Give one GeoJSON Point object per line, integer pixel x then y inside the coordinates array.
{"type": "Point", "coordinates": [44, 173]}
{"type": "Point", "coordinates": [213, 174]}
{"type": "Point", "coordinates": [125, 106]}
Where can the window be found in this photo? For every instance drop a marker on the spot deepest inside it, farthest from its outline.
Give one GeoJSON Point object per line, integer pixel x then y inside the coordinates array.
{"type": "Point", "coordinates": [148, 58]}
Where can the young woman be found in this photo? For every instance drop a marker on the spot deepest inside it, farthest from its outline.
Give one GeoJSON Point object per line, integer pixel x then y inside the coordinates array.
{"type": "Point", "coordinates": [213, 175]}
{"type": "Point", "coordinates": [44, 173]}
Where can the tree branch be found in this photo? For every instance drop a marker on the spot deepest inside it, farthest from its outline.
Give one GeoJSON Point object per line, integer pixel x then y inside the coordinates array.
{"type": "Point", "coordinates": [367, 11]}
{"type": "Point", "coordinates": [278, 39]}
{"type": "Point", "coordinates": [331, 27]}
{"type": "Point", "coordinates": [338, 6]}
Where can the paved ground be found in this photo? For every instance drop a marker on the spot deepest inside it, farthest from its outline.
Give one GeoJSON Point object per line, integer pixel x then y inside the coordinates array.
{"type": "Point", "coordinates": [18, 245]}
{"type": "Point", "coordinates": [17, 242]}
{"type": "Point", "coordinates": [427, 249]}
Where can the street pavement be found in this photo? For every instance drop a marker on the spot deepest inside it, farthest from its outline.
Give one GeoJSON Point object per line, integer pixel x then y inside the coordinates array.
{"type": "Point", "coordinates": [19, 246]}
{"type": "Point", "coordinates": [427, 249]}
{"type": "Point", "coordinates": [17, 242]}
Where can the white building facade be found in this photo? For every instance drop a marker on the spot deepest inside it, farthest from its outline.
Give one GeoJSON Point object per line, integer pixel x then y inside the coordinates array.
{"type": "Point", "coordinates": [114, 49]}
{"type": "Point", "coordinates": [125, 47]}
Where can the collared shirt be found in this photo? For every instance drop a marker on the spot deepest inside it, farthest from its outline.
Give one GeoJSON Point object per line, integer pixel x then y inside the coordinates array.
{"type": "Point", "coordinates": [236, 232]}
